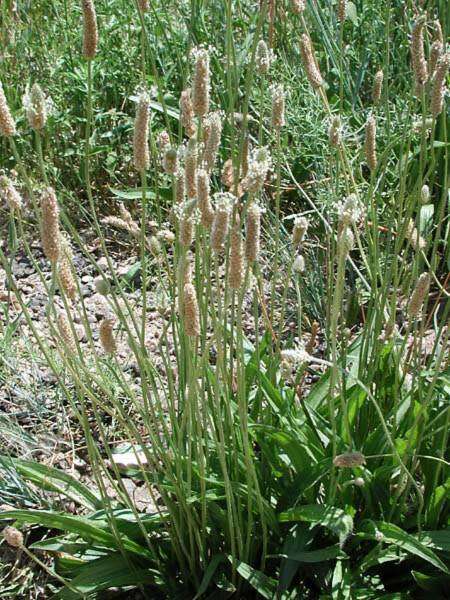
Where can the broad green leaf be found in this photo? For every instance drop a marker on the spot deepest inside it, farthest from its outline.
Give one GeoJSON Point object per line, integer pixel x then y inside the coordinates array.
{"type": "Point", "coordinates": [396, 536]}
{"type": "Point", "coordinates": [334, 519]}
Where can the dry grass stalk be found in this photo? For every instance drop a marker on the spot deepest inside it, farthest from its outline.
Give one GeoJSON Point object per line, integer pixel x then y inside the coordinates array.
{"type": "Point", "coordinates": [312, 338]}
{"type": "Point", "coordinates": [245, 157]}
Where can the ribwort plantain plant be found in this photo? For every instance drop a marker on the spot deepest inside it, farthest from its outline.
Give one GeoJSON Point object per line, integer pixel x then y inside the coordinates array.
{"type": "Point", "coordinates": [290, 436]}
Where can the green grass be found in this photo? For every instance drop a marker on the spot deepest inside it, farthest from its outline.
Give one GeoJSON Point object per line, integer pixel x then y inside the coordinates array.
{"type": "Point", "coordinates": [244, 454]}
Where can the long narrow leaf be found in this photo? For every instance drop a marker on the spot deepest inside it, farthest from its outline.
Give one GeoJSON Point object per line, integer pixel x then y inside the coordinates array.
{"type": "Point", "coordinates": [85, 528]}
{"type": "Point", "coordinates": [54, 480]}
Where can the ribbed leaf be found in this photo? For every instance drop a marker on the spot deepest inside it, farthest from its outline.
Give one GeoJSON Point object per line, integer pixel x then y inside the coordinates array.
{"type": "Point", "coordinates": [334, 519]}
{"type": "Point", "coordinates": [391, 534]}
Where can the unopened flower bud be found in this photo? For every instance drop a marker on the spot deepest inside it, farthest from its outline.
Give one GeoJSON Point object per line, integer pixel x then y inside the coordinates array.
{"type": "Point", "coordinates": [13, 536]}
{"type": "Point", "coordinates": [102, 286]}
